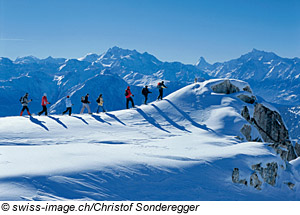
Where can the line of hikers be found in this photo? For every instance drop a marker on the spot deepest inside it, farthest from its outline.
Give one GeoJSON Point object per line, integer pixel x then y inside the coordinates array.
{"type": "Point", "coordinates": [85, 101]}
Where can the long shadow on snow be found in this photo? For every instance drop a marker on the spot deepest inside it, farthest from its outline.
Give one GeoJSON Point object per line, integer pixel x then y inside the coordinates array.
{"type": "Point", "coordinates": [170, 120]}
{"type": "Point", "coordinates": [109, 142]}
{"type": "Point", "coordinates": [185, 115]}
{"type": "Point", "coordinates": [98, 118]}
{"type": "Point", "coordinates": [116, 118]}
{"type": "Point", "coordinates": [58, 121]}
{"type": "Point", "coordinates": [150, 120]}
{"type": "Point", "coordinates": [77, 117]}
{"type": "Point", "coordinates": [38, 122]}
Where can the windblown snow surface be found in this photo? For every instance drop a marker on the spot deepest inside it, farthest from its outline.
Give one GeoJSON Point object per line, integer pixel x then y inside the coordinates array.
{"type": "Point", "coordinates": [181, 148]}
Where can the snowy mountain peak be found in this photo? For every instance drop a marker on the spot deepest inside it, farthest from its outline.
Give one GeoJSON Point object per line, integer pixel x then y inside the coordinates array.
{"type": "Point", "coordinates": [89, 57]}
{"type": "Point", "coordinates": [259, 55]}
{"type": "Point", "coordinates": [4, 61]}
{"type": "Point", "coordinates": [117, 52]}
{"type": "Point", "coordinates": [52, 60]}
{"type": "Point", "coordinates": [27, 60]}
{"type": "Point", "coordinates": [202, 63]}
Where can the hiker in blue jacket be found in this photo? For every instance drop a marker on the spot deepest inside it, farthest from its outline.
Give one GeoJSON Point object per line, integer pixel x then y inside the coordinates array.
{"type": "Point", "coordinates": [68, 106]}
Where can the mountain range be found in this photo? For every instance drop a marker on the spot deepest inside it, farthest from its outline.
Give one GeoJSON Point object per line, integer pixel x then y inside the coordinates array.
{"type": "Point", "coordinates": [274, 78]}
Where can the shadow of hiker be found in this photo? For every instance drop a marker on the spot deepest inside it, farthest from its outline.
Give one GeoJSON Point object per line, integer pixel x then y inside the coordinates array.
{"type": "Point", "coordinates": [170, 120]}
{"type": "Point", "coordinates": [116, 118]}
{"type": "Point", "coordinates": [38, 122]}
{"type": "Point", "coordinates": [77, 117]}
{"type": "Point", "coordinates": [150, 120]}
{"type": "Point", "coordinates": [98, 118]}
{"type": "Point", "coordinates": [186, 116]}
{"type": "Point", "coordinates": [58, 121]}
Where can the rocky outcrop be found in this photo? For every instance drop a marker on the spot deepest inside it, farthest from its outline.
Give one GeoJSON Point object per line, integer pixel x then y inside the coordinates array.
{"type": "Point", "coordinates": [245, 113]}
{"type": "Point", "coordinates": [236, 177]}
{"type": "Point", "coordinates": [297, 149]}
{"type": "Point", "coordinates": [247, 98]}
{"type": "Point", "coordinates": [255, 182]}
{"type": "Point", "coordinates": [272, 129]}
{"type": "Point", "coordinates": [270, 124]}
{"type": "Point", "coordinates": [269, 173]}
{"type": "Point", "coordinates": [290, 185]}
{"type": "Point", "coordinates": [246, 131]}
{"type": "Point", "coordinates": [225, 87]}
{"type": "Point", "coordinates": [247, 89]}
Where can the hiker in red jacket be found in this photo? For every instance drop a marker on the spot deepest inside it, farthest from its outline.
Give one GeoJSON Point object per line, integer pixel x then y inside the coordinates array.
{"type": "Point", "coordinates": [161, 87]}
{"type": "Point", "coordinates": [44, 103]}
{"type": "Point", "coordinates": [128, 95]}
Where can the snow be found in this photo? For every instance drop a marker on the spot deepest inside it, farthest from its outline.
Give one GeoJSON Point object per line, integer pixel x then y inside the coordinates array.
{"type": "Point", "coordinates": [58, 79]}
{"type": "Point", "coordinates": [180, 148]}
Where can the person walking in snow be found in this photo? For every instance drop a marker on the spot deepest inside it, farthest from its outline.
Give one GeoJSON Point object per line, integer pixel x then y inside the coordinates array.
{"type": "Point", "coordinates": [161, 87]}
{"type": "Point", "coordinates": [68, 106]}
{"type": "Point", "coordinates": [100, 103]}
{"type": "Point", "coordinates": [145, 92]}
{"type": "Point", "coordinates": [24, 101]}
{"type": "Point", "coordinates": [44, 104]}
{"type": "Point", "coordinates": [85, 104]}
{"type": "Point", "coordinates": [129, 96]}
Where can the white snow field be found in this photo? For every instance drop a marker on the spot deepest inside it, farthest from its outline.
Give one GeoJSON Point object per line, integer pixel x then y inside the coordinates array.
{"type": "Point", "coordinates": [181, 148]}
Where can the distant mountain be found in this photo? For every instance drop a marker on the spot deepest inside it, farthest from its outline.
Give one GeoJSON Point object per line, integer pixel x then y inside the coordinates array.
{"type": "Point", "coordinates": [291, 115]}
{"type": "Point", "coordinates": [274, 78]}
{"type": "Point", "coordinates": [203, 64]}
{"type": "Point", "coordinates": [109, 73]}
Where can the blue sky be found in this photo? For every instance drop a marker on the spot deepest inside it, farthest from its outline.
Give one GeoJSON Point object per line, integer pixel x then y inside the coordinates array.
{"type": "Point", "coordinates": [172, 30]}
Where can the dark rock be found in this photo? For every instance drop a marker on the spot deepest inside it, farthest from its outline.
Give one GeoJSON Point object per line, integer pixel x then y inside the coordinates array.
{"type": "Point", "coordinates": [236, 177]}
{"type": "Point", "coordinates": [270, 173]}
{"type": "Point", "coordinates": [272, 129]}
{"type": "Point", "coordinates": [255, 182]}
{"type": "Point", "coordinates": [247, 98]}
{"type": "Point", "coordinates": [290, 185]}
{"type": "Point", "coordinates": [225, 87]}
{"type": "Point", "coordinates": [297, 149]}
{"type": "Point", "coordinates": [246, 131]}
{"type": "Point", "coordinates": [247, 89]}
{"type": "Point", "coordinates": [270, 124]}
{"type": "Point", "coordinates": [245, 113]}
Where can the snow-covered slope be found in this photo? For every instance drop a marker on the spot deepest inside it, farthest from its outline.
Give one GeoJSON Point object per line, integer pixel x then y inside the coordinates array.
{"type": "Point", "coordinates": [181, 148]}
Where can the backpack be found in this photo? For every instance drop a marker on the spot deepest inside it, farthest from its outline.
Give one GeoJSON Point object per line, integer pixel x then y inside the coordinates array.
{"type": "Point", "coordinates": [82, 99]}
{"type": "Point", "coordinates": [21, 100]}
{"type": "Point", "coordinates": [126, 93]}
{"type": "Point", "coordinates": [159, 85]}
{"type": "Point", "coordinates": [98, 100]}
{"type": "Point", "coordinates": [144, 91]}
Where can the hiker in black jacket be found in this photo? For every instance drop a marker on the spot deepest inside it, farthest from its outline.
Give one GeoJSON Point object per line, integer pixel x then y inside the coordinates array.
{"type": "Point", "coordinates": [85, 104]}
{"type": "Point", "coordinates": [160, 87]}
{"type": "Point", "coordinates": [145, 92]}
{"type": "Point", "coordinates": [24, 101]}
